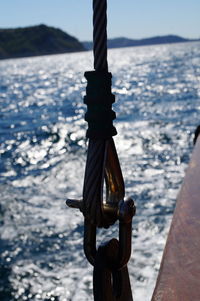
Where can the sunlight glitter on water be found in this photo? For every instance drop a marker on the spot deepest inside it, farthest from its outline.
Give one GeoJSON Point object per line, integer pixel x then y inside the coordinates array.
{"type": "Point", "coordinates": [43, 153]}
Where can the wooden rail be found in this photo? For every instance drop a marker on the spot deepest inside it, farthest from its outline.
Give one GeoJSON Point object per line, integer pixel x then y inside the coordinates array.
{"type": "Point", "coordinates": [179, 275]}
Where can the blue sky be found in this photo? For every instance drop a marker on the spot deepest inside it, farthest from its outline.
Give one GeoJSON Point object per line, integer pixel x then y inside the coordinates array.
{"type": "Point", "coordinates": [130, 18]}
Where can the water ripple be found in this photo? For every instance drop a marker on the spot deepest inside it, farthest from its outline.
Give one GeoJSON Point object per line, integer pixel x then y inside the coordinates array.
{"type": "Point", "coordinates": [43, 148]}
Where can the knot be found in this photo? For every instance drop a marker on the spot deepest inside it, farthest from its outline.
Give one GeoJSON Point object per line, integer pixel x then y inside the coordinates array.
{"type": "Point", "coordinates": [99, 100]}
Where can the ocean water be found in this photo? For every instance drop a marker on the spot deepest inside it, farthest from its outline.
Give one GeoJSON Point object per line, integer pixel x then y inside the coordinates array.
{"type": "Point", "coordinates": [43, 151]}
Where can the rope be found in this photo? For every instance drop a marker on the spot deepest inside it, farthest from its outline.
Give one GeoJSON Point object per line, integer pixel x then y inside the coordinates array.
{"type": "Point", "coordinates": [92, 189]}
{"type": "Point", "coordinates": [100, 35]}
{"type": "Point", "coordinates": [99, 100]}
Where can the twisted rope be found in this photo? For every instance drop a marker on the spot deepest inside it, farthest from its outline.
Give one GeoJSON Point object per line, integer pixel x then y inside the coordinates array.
{"type": "Point", "coordinates": [100, 35]}
{"type": "Point", "coordinates": [101, 149]}
{"type": "Point", "coordinates": [94, 174]}
{"type": "Point", "coordinates": [93, 183]}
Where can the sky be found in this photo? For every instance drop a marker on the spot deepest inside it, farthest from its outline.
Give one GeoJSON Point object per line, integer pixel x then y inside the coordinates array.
{"type": "Point", "coordinates": [126, 18]}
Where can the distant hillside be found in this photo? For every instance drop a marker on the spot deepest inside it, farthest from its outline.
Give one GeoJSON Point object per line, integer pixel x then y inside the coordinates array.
{"type": "Point", "coordinates": [36, 40]}
{"type": "Point", "coordinates": [125, 42]}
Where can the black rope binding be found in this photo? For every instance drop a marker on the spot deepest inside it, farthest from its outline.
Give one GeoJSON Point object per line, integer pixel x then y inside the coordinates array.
{"type": "Point", "coordinates": [99, 100]}
{"type": "Point", "coordinates": [100, 118]}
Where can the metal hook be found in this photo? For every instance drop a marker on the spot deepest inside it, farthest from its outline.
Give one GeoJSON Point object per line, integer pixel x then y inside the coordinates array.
{"type": "Point", "coordinates": [126, 210]}
{"type": "Point", "coordinates": [102, 213]}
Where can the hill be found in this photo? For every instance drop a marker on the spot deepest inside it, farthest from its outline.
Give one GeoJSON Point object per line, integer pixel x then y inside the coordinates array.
{"type": "Point", "coordinates": [36, 40]}
{"type": "Point", "coordinates": [125, 42]}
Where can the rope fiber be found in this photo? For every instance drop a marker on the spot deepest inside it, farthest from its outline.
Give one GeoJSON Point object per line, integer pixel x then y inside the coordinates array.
{"type": "Point", "coordinates": [100, 35]}
{"type": "Point", "coordinates": [100, 118]}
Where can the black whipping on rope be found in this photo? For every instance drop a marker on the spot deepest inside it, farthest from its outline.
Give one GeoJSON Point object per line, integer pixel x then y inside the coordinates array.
{"type": "Point", "coordinates": [99, 116]}
{"type": "Point", "coordinates": [99, 98]}
{"type": "Point", "coordinates": [102, 161]}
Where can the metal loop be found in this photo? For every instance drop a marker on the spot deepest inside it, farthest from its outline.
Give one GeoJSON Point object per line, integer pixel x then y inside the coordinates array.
{"type": "Point", "coordinates": [110, 284]}
{"type": "Point", "coordinates": [126, 210]}
{"type": "Point", "coordinates": [102, 164]}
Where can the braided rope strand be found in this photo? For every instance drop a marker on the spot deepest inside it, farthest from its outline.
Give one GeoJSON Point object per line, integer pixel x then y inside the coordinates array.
{"type": "Point", "coordinates": [97, 150]}
{"type": "Point", "coordinates": [100, 35]}
{"type": "Point", "coordinates": [93, 174]}
{"type": "Point", "coordinates": [93, 182]}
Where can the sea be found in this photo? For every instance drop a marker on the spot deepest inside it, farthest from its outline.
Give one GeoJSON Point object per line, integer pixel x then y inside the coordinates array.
{"type": "Point", "coordinates": [42, 159]}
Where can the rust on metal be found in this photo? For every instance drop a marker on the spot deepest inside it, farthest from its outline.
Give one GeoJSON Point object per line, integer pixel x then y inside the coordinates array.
{"type": "Point", "coordinates": [179, 275]}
